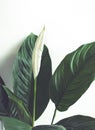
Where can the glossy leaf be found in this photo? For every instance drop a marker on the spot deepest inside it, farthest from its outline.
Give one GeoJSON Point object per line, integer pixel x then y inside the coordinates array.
{"type": "Point", "coordinates": [73, 76]}
{"type": "Point", "coordinates": [49, 127]}
{"type": "Point", "coordinates": [14, 124]}
{"type": "Point", "coordinates": [3, 100]}
{"type": "Point", "coordinates": [17, 108]}
{"type": "Point", "coordinates": [78, 122]}
{"type": "Point", "coordinates": [23, 76]}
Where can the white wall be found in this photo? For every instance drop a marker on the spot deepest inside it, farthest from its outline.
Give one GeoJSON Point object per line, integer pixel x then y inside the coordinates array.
{"type": "Point", "coordinates": [69, 23]}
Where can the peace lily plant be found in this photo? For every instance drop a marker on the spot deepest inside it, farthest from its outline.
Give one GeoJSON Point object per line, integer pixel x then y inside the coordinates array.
{"type": "Point", "coordinates": [34, 84]}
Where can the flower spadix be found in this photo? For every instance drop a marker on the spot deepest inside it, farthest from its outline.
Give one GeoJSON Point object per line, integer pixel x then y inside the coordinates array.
{"type": "Point", "coordinates": [37, 54]}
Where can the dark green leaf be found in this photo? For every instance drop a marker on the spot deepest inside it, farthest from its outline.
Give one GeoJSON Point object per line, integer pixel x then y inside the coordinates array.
{"type": "Point", "coordinates": [14, 124]}
{"type": "Point", "coordinates": [23, 76]}
{"type": "Point", "coordinates": [73, 76]}
{"type": "Point", "coordinates": [78, 122]}
{"type": "Point", "coordinates": [3, 99]}
{"type": "Point", "coordinates": [17, 108]}
{"type": "Point", "coordinates": [43, 82]}
{"type": "Point", "coordinates": [49, 127]}
{"type": "Point", "coordinates": [1, 81]}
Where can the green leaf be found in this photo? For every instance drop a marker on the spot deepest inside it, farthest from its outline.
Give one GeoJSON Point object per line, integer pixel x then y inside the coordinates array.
{"type": "Point", "coordinates": [17, 108]}
{"type": "Point", "coordinates": [14, 124]}
{"type": "Point", "coordinates": [3, 99]}
{"type": "Point", "coordinates": [73, 76]}
{"type": "Point", "coordinates": [23, 76]}
{"type": "Point", "coordinates": [49, 127]}
{"type": "Point", "coordinates": [78, 122]}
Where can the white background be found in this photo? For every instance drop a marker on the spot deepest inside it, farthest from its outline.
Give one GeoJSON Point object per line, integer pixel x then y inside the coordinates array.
{"type": "Point", "coordinates": [69, 23]}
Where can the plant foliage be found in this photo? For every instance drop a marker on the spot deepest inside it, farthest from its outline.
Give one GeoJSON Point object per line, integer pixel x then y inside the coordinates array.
{"type": "Point", "coordinates": [73, 76]}
{"type": "Point", "coordinates": [70, 80]}
{"type": "Point", "coordinates": [23, 76]}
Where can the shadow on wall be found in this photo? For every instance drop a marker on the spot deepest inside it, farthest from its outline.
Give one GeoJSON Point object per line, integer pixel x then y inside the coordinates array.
{"type": "Point", "coordinates": [6, 66]}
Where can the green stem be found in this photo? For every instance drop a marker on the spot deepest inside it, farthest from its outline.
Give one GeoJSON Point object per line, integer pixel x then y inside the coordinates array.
{"type": "Point", "coordinates": [34, 102]}
{"type": "Point", "coordinates": [54, 116]}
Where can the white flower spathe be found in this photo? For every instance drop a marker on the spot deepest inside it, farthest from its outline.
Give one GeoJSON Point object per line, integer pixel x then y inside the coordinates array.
{"type": "Point", "coordinates": [37, 54]}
